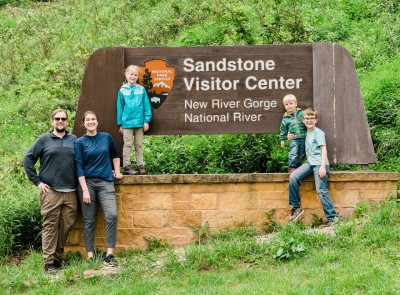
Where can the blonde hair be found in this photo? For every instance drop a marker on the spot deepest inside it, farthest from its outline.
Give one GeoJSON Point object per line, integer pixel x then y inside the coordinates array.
{"type": "Point", "coordinates": [310, 112]}
{"type": "Point", "coordinates": [289, 97]}
{"type": "Point", "coordinates": [135, 67]}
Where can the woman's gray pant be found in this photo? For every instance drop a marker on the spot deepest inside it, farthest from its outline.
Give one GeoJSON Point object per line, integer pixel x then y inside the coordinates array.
{"type": "Point", "coordinates": [102, 191]}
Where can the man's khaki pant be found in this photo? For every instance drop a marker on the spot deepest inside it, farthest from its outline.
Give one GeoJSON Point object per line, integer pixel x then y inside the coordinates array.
{"type": "Point", "coordinates": [58, 211]}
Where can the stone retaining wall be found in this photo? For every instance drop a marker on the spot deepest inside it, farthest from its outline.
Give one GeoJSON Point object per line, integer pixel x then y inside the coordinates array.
{"type": "Point", "coordinates": [169, 206]}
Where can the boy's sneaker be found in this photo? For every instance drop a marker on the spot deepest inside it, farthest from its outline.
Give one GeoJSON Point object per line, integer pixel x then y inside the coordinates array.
{"type": "Point", "coordinates": [142, 171]}
{"type": "Point", "coordinates": [110, 260]}
{"type": "Point", "coordinates": [128, 170]}
{"type": "Point", "coordinates": [50, 268]}
{"type": "Point", "coordinates": [296, 213]}
{"type": "Point", "coordinates": [332, 222]}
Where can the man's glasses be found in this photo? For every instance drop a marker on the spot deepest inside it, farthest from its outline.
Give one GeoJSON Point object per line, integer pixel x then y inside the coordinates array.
{"type": "Point", "coordinates": [60, 119]}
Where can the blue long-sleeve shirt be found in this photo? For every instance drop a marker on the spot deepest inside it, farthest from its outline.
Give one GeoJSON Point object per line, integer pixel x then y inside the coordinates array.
{"type": "Point", "coordinates": [92, 156]}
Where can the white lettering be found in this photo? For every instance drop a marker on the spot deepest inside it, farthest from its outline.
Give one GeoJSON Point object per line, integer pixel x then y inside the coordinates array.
{"type": "Point", "coordinates": [212, 84]}
{"type": "Point", "coordinates": [221, 104]}
{"type": "Point", "coordinates": [188, 66]}
{"type": "Point", "coordinates": [259, 104]}
{"type": "Point", "coordinates": [252, 83]}
{"type": "Point", "coordinates": [242, 117]}
{"type": "Point", "coordinates": [189, 104]}
{"type": "Point", "coordinates": [224, 65]}
{"type": "Point", "coordinates": [204, 118]}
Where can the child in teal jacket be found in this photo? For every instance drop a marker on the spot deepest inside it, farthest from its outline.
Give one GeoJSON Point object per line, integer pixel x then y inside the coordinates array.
{"type": "Point", "coordinates": [133, 118]}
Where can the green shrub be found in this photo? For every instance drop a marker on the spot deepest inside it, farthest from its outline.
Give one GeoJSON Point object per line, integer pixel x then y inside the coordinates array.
{"type": "Point", "coordinates": [20, 221]}
{"type": "Point", "coordinates": [207, 154]}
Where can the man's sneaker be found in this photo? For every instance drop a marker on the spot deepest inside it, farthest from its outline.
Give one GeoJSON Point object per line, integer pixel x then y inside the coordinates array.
{"type": "Point", "coordinates": [142, 171]}
{"type": "Point", "coordinates": [110, 260]}
{"type": "Point", "coordinates": [50, 268]}
{"type": "Point", "coordinates": [128, 170]}
{"type": "Point", "coordinates": [59, 262]}
{"type": "Point", "coordinates": [296, 213]}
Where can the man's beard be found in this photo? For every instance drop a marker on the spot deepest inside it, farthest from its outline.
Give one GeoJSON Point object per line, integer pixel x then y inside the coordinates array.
{"type": "Point", "coordinates": [60, 130]}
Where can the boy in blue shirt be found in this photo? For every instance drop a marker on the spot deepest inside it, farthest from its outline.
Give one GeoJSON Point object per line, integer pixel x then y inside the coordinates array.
{"type": "Point", "coordinates": [318, 164]}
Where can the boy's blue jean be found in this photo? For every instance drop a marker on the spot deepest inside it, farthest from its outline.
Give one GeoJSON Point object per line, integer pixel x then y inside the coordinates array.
{"type": "Point", "coordinates": [297, 151]}
{"type": "Point", "coordinates": [320, 185]}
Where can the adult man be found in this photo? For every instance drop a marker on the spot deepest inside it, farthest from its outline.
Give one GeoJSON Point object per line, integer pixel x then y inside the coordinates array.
{"type": "Point", "coordinates": [57, 186]}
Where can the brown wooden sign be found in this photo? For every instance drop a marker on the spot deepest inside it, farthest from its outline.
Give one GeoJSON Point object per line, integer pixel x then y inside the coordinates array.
{"type": "Point", "coordinates": [222, 89]}
{"type": "Point", "coordinates": [234, 89]}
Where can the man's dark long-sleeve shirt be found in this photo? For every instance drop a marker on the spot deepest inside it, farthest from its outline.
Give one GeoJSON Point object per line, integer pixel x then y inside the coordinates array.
{"type": "Point", "coordinates": [57, 161]}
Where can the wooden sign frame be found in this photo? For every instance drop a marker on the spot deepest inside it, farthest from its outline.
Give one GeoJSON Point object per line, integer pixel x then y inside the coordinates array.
{"type": "Point", "coordinates": [234, 89]}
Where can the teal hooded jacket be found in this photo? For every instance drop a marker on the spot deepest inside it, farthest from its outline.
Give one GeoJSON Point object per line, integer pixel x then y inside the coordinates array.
{"type": "Point", "coordinates": [133, 106]}
{"type": "Point", "coordinates": [293, 123]}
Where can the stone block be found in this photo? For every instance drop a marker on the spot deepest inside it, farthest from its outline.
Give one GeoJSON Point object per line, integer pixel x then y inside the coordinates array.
{"type": "Point", "coordinates": [162, 188]}
{"type": "Point", "coordinates": [270, 186]}
{"type": "Point", "coordinates": [346, 198]}
{"type": "Point", "coordinates": [238, 200]}
{"type": "Point", "coordinates": [181, 197]}
{"type": "Point", "coordinates": [148, 219]}
{"type": "Point", "coordinates": [125, 223]}
{"type": "Point", "coordinates": [375, 194]}
{"type": "Point", "coordinates": [182, 205]}
{"type": "Point", "coordinates": [75, 237]}
{"type": "Point", "coordinates": [281, 215]}
{"type": "Point", "coordinates": [129, 236]}
{"type": "Point", "coordinates": [310, 200]}
{"type": "Point", "coordinates": [79, 221]}
{"type": "Point", "coordinates": [129, 189]}
{"type": "Point", "coordinates": [207, 188]}
{"type": "Point", "coordinates": [204, 201]}
{"type": "Point", "coordinates": [161, 201]}
{"type": "Point", "coordinates": [183, 218]}
{"type": "Point", "coordinates": [307, 186]}
{"type": "Point", "coordinates": [181, 231]}
{"type": "Point", "coordinates": [138, 206]}
{"type": "Point", "coordinates": [211, 214]}
{"type": "Point", "coordinates": [247, 217]}
{"type": "Point", "coordinates": [220, 223]}
{"type": "Point", "coordinates": [125, 214]}
{"type": "Point", "coordinates": [232, 187]}
{"type": "Point", "coordinates": [269, 204]}
{"type": "Point", "coordinates": [134, 202]}
{"type": "Point", "coordinates": [273, 195]}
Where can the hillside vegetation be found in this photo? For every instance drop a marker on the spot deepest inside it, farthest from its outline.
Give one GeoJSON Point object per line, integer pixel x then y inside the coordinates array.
{"type": "Point", "coordinates": [44, 47]}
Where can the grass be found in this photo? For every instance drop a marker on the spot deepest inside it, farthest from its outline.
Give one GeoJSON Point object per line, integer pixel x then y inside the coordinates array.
{"type": "Point", "coordinates": [362, 256]}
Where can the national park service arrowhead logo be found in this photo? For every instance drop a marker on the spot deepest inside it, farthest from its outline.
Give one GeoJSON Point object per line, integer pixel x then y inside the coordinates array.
{"type": "Point", "coordinates": [158, 79]}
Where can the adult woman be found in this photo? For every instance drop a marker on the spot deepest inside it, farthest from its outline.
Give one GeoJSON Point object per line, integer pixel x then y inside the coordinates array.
{"type": "Point", "coordinates": [96, 182]}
